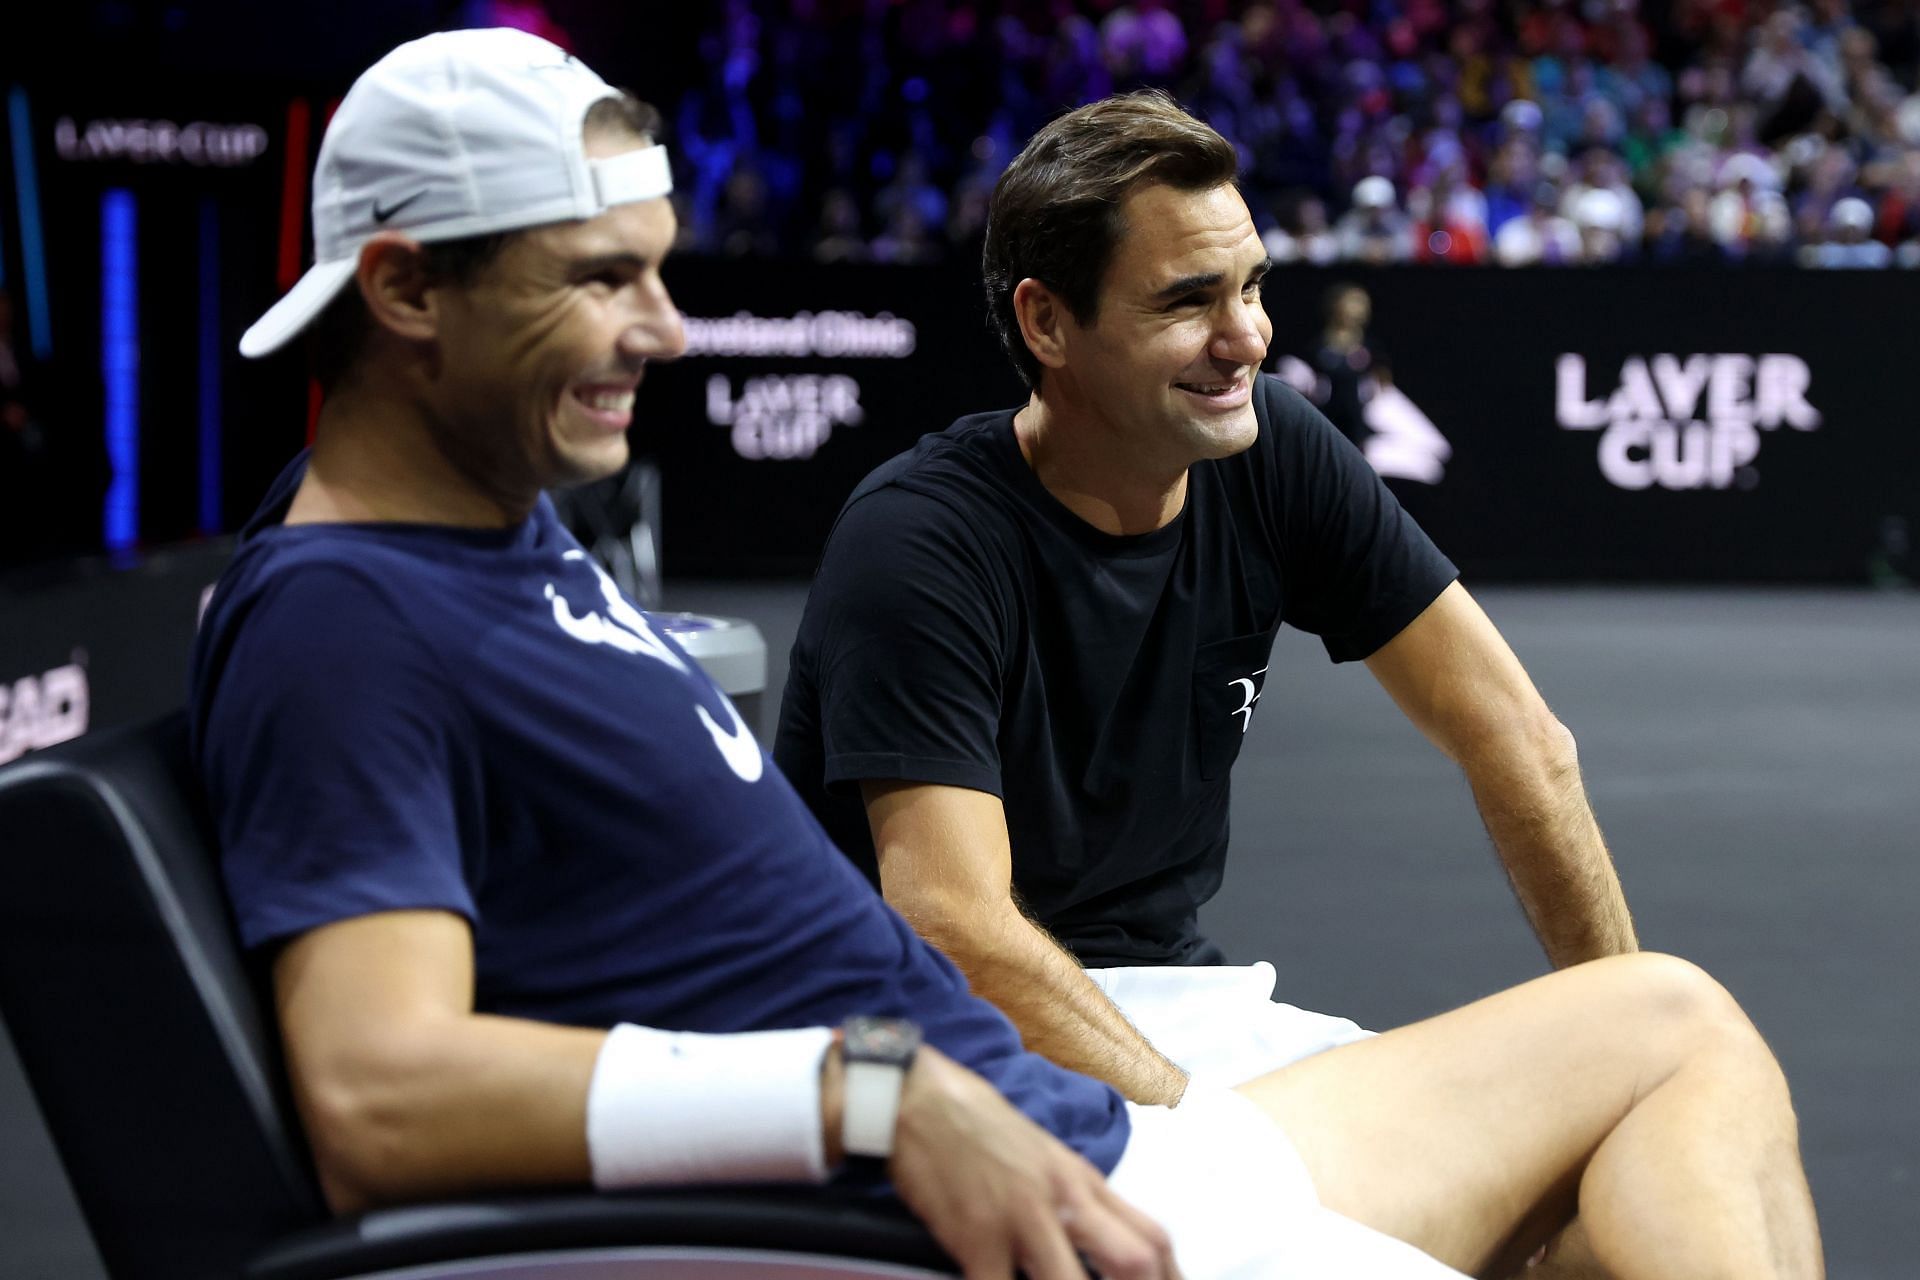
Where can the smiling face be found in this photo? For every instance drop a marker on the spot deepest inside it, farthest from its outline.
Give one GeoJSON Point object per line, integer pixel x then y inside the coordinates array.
{"type": "Point", "coordinates": [1167, 365]}
{"type": "Point", "coordinates": [540, 355]}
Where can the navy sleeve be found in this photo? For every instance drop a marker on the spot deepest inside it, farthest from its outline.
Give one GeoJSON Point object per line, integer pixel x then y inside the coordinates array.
{"type": "Point", "coordinates": [335, 758]}
{"type": "Point", "coordinates": [904, 634]}
{"type": "Point", "coordinates": [1359, 568]}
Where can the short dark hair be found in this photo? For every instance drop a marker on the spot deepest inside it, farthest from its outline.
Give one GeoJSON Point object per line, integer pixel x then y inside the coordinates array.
{"type": "Point", "coordinates": [1055, 215]}
{"type": "Point", "coordinates": [340, 333]}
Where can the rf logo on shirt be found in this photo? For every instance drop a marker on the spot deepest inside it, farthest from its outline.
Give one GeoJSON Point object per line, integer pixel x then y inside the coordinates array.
{"type": "Point", "coordinates": [1249, 690]}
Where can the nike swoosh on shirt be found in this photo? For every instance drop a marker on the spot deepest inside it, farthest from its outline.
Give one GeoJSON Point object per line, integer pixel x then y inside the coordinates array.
{"type": "Point", "coordinates": [738, 747]}
{"type": "Point", "coordinates": [381, 215]}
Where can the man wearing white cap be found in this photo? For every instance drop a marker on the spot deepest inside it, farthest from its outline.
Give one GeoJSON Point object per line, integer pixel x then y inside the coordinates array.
{"type": "Point", "coordinates": [539, 912]}
{"type": "Point", "coordinates": [1374, 231]}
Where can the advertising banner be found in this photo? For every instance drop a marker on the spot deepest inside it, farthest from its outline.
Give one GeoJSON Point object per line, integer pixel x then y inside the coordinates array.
{"type": "Point", "coordinates": [798, 380]}
{"type": "Point", "coordinates": [1625, 424]}
{"type": "Point", "coordinates": [1639, 425]}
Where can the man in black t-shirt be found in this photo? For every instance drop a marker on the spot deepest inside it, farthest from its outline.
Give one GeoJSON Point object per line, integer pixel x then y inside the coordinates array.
{"type": "Point", "coordinates": [1037, 639]}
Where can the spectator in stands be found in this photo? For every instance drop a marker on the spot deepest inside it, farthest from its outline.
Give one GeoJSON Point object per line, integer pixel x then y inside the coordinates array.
{"type": "Point", "coordinates": [906, 238]}
{"type": "Point", "coordinates": [1849, 242]}
{"type": "Point", "coordinates": [838, 238]}
{"type": "Point", "coordinates": [1374, 230]}
{"type": "Point", "coordinates": [1315, 99]}
{"type": "Point", "coordinates": [1742, 178]}
{"type": "Point", "coordinates": [1512, 175]}
{"type": "Point", "coordinates": [1449, 221]}
{"type": "Point", "coordinates": [1601, 220]}
{"type": "Point", "coordinates": [1686, 236]}
{"type": "Point", "coordinates": [1899, 220]}
{"type": "Point", "coordinates": [1773, 243]}
{"type": "Point", "coordinates": [1789, 84]}
{"type": "Point", "coordinates": [1541, 237]}
{"type": "Point", "coordinates": [1603, 170]}
{"type": "Point", "coordinates": [1302, 234]}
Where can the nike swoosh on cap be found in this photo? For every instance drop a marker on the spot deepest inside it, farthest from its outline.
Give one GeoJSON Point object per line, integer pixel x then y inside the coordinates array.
{"type": "Point", "coordinates": [381, 215]}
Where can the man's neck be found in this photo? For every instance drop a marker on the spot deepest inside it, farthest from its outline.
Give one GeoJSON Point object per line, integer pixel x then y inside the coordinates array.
{"type": "Point", "coordinates": [1091, 476]}
{"type": "Point", "coordinates": [376, 459]}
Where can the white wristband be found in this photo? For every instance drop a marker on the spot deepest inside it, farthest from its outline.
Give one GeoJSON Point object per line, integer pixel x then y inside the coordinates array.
{"type": "Point", "coordinates": [675, 1108]}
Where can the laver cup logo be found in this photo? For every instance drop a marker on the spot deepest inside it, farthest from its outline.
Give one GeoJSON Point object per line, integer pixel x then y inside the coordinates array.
{"type": "Point", "coordinates": [1684, 422]}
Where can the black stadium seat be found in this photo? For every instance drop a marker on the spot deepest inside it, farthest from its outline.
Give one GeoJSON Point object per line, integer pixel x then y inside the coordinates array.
{"type": "Point", "coordinates": [155, 1063]}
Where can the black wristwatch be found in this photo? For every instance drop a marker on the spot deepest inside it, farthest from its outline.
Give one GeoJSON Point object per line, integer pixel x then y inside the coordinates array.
{"type": "Point", "coordinates": [877, 1053]}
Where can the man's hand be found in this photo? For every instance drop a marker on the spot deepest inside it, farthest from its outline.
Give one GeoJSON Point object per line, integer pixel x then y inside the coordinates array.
{"type": "Point", "coordinates": [1002, 1195]}
{"type": "Point", "coordinates": [947, 866]}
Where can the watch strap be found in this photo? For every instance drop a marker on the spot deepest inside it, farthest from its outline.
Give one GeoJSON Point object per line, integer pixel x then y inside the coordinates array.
{"type": "Point", "coordinates": [871, 1107]}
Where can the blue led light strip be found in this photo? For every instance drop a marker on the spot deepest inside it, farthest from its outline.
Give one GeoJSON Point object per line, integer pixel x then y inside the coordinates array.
{"type": "Point", "coordinates": [33, 249]}
{"type": "Point", "coordinates": [212, 354]}
{"type": "Point", "coordinates": [120, 363]}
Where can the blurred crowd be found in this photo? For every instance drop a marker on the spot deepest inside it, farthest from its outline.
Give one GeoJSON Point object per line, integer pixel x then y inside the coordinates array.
{"type": "Point", "coordinates": [1514, 132]}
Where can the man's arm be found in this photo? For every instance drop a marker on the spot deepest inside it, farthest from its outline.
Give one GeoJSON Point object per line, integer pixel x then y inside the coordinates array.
{"type": "Point", "coordinates": [1459, 683]}
{"type": "Point", "coordinates": [407, 1093]}
{"type": "Point", "coordinates": [946, 865]}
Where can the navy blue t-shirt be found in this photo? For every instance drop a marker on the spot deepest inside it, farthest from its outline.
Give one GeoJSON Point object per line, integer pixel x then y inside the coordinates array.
{"type": "Point", "coordinates": [392, 716]}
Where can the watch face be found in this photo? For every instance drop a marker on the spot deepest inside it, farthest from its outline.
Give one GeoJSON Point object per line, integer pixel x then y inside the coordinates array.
{"type": "Point", "coordinates": [881, 1040]}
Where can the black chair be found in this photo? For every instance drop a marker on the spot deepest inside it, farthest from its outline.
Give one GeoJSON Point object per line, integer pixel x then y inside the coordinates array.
{"type": "Point", "coordinates": [155, 1064]}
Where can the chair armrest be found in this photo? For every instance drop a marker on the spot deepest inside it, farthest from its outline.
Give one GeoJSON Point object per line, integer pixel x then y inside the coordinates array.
{"type": "Point", "coordinates": [820, 1221]}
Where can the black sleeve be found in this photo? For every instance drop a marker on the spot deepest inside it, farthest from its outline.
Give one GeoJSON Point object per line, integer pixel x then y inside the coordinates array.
{"type": "Point", "coordinates": [1359, 569]}
{"type": "Point", "coordinates": [905, 632]}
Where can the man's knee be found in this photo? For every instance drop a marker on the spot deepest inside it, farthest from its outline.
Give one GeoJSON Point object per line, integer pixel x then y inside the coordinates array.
{"type": "Point", "coordinates": [1681, 1007]}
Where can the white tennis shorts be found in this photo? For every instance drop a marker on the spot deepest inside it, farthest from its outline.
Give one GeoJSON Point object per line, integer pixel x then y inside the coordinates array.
{"type": "Point", "coordinates": [1220, 1023]}
{"type": "Point", "coordinates": [1228, 1186]}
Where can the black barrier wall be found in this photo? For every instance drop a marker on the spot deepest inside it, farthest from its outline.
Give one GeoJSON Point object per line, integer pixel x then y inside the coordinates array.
{"type": "Point", "coordinates": [91, 646]}
{"type": "Point", "coordinates": [1619, 424]}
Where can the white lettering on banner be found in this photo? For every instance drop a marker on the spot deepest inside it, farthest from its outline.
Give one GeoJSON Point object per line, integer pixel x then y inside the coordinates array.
{"type": "Point", "coordinates": [831, 334]}
{"type": "Point", "coordinates": [38, 711]}
{"type": "Point", "coordinates": [783, 416]}
{"type": "Point", "coordinates": [1403, 443]}
{"type": "Point", "coordinates": [199, 144]}
{"type": "Point", "coordinates": [1689, 422]}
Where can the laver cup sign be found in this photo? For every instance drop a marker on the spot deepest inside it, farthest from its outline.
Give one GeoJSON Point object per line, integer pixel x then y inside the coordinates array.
{"type": "Point", "coordinates": [1686, 422]}
{"type": "Point", "coordinates": [797, 381]}
{"type": "Point", "coordinates": [783, 417]}
{"type": "Point", "coordinates": [1638, 424]}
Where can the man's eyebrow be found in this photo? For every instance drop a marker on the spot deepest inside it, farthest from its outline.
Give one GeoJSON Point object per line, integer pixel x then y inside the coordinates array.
{"type": "Point", "coordinates": [607, 262]}
{"type": "Point", "coordinates": [1197, 283]}
{"type": "Point", "coordinates": [1191, 284]}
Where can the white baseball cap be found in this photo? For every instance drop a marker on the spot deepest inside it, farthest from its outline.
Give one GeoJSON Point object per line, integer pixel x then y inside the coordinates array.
{"type": "Point", "coordinates": [463, 133]}
{"type": "Point", "coordinates": [1373, 192]}
{"type": "Point", "coordinates": [1852, 213]}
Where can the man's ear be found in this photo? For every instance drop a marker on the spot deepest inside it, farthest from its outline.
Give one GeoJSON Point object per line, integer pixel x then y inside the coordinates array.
{"type": "Point", "coordinates": [392, 279]}
{"type": "Point", "coordinates": [1043, 318]}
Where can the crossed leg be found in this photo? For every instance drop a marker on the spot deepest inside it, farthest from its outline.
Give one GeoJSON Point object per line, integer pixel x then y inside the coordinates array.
{"type": "Point", "coordinates": [1633, 1089]}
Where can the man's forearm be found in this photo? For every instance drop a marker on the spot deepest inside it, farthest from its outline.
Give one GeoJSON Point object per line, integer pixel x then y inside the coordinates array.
{"type": "Point", "coordinates": [1059, 1011]}
{"type": "Point", "coordinates": [1535, 808]}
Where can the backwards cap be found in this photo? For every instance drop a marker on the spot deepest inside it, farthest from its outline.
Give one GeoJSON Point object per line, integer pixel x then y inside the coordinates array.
{"type": "Point", "coordinates": [464, 133]}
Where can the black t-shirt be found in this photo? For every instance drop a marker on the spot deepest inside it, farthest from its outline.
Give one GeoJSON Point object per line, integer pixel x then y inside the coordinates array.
{"type": "Point", "coordinates": [965, 628]}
